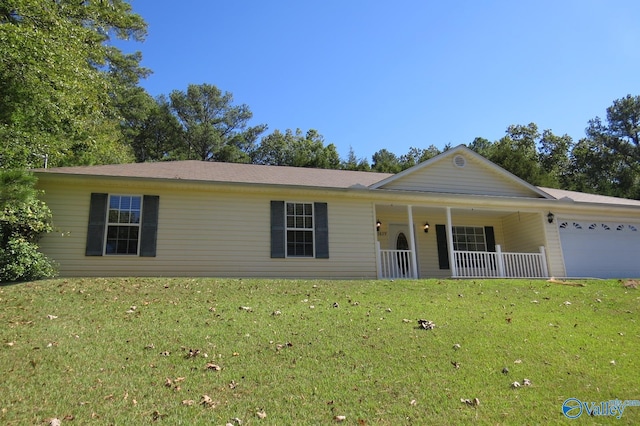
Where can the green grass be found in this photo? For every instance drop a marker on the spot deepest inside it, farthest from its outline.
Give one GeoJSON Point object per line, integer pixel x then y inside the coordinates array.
{"type": "Point", "coordinates": [102, 362]}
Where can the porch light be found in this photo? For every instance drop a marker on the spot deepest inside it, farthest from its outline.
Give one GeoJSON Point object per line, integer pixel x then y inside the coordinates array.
{"type": "Point", "coordinates": [550, 217]}
{"type": "Point", "coordinates": [378, 225]}
{"type": "Point", "coordinates": [426, 228]}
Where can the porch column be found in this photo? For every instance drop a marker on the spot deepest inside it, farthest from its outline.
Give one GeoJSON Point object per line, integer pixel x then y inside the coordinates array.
{"type": "Point", "coordinates": [452, 258]}
{"type": "Point", "coordinates": [412, 233]}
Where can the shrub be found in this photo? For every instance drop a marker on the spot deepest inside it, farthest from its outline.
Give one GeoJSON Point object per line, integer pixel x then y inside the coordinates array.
{"type": "Point", "coordinates": [23, 219]}
{"type": "Point", "coordinates": [20, 260]}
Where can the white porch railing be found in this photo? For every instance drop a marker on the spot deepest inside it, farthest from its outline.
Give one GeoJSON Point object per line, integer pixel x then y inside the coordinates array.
{"type": "Point", "coordinates": [476, 264]}
{"type": "Point", "coordinates": [395, 264]}
{"type": "Point", "coordinates": [469, 264]}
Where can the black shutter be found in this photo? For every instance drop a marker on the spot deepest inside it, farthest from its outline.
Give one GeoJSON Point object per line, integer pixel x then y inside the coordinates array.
{"type": "Point", "coordinates": [321, 219]}
{"type": "Point", "coordinates": [491, 238]}
{"type": "Point", "coordinates": [443, 251]}
{"type": "Point", "coordinates": [277, 229]}
{"type": "Point", "coordinates": [149, 225]}
{"type": "Point", "coordinates": [97, 221]}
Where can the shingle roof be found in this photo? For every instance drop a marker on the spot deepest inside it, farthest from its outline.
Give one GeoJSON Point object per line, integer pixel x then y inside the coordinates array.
{"type": "Point", "coordinates": [207, 171]}
{"type": "Point", "coordinates": [583, 197]}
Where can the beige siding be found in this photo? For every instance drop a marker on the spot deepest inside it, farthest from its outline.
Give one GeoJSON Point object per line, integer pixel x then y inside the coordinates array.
{"type": "Point", "coordinates": [207, 233]}
{"type": "Point", "coordinates": [473, 178]}
{"type": "Point", "coordinates": [524, 231]}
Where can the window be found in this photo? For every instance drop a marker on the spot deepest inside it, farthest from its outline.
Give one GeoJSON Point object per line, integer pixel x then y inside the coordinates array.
{"type": "Point", "coordinates": [299, 230]}
{"type": "Point", "coordinates": [123, 224]}
{"type": "Point", "coordinates": [469, 238]}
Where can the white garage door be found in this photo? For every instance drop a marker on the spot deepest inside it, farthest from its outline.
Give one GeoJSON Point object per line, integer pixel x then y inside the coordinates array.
{"type": "Point", "coordinates": [600, 250]}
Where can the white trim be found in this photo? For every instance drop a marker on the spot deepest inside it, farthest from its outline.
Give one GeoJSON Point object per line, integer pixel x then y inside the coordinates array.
{"type": "Point", "coordinates": [412, 233]}
{"type": "Point", "coordinates": [452, 257]}
{"type": "Point", "coordinates": [107, 224]}
{"type": "Point", "coordinates": [312, 230]}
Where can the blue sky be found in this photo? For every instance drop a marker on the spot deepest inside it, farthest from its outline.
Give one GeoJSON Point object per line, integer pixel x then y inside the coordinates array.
{"type": "Point", "coordinates": [380, 74]}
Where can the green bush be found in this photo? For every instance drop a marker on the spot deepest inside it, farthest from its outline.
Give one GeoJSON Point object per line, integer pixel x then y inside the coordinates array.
{"type": "Point", "coordinates": [23, 219]}
{"type": "Point", "coordinates": [20, 260]}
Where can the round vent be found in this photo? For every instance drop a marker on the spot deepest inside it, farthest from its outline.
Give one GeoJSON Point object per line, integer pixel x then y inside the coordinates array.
{"type": "Point", "coordinates": [459, 161]}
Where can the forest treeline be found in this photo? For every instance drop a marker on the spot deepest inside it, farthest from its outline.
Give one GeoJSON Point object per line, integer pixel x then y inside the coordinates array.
{"type": "Point", "coordinates": [68, 97]}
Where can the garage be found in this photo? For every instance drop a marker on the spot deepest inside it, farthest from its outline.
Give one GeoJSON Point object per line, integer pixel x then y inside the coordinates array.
{"type": "Point", "coordinates": [600, 249]}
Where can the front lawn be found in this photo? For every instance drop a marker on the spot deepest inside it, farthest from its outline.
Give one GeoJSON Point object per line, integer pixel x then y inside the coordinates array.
{"type": "Point", "coordinates": [276, 352]}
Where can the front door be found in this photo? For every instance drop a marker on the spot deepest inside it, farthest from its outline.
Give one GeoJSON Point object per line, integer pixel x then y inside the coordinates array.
{"type": "Point", "coordinates": [399, 240]}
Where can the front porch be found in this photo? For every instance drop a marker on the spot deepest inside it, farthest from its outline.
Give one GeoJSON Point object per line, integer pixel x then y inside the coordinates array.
{"type": "Point", "coordinates": [475, 241]}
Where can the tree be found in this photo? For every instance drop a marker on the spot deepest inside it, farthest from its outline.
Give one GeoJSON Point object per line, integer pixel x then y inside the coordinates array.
{"type": "Point", "coordinates": [59, 79]}
{"type": "Point", "coordinates": [516, 152]}
{"type": "Point", "coordinates": [609, 156]}
{"type": "Point", "coordinates": [23, 219]}
{"type": "Point", "coordinates": [417, 156]}
{"type": "Point", "coordinates": [354, 163]}
{"type": "Point", "coordinates": [297, 150]}
{"type": "Point", "coordinates": [553, 156]}
{"type": "Point", "coordinates": [385, 161]}
{"type": "Point", "coordinates": [154, 132]}
{"type": "Point", "coordinates": [214, 129]}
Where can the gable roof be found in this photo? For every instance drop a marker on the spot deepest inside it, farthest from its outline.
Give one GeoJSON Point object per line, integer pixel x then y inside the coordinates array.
{"type": "Point", "coordinates": [207, 171]}
{"type": "Point", "coordinates": [463, 171]}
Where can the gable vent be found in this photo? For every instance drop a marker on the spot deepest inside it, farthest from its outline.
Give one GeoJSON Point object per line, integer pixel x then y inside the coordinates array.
{"type": "Point", "coordinates": [459, 161]}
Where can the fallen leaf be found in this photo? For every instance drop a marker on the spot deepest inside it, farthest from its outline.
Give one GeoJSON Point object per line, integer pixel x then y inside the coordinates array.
{"type": "Point", "coordinates": [192, 353]}
{"type": "Point", "coordinates": [207, 401]}
{"type": "Point", "coordinates": [212, 366]}
{"type": "Point", "coordinates": [261, 414]}
{"type": "Point", "coordinates": [168, 383]}
{"type": "Point", "coordinates": [52, 317]}
{"type": "Point", "coordinates": [474, 403]}
{"type": "Point", "coordinates": [54, 422]}
{"type": "Point", "coordinates": [157, 416]}
{"type": "Point", "coordinates": [188, 402]}
{"type": "Point", "coordinates": [515, 385]}
{"type": "Point", "coordinates": [413, 402]}
{"type": "Point", "coordinates": [526, 382]}
{"type": "Point", "coordinates": [340, 418]}
{"type": "Point", "coordinates": [425, 324]}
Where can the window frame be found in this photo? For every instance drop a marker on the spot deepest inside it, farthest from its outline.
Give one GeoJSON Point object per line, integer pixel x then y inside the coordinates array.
{"type": "Point", "coordinates": [311, 229]}
{"type": "Point", "coordinates": [469, 238]}
{"type": "Point", "coordinates": [108, 224]}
